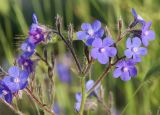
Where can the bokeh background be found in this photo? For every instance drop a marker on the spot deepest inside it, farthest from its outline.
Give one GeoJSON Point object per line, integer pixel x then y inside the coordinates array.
{"type": "Point", "coordinates": [139, 96]}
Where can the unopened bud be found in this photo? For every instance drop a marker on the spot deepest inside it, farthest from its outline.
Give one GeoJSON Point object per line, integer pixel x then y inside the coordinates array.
{"type": "Point", "coordinates": [58, 22]}
{"type": "Point", "coordinates": [120, 23]}
{"type": "Point", "coordinates": [70, 33]}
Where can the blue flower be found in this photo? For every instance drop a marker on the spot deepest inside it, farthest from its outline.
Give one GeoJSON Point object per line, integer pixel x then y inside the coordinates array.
{"type": "Point", "coordinates": [134, 49]}
{"type": "Point", "coordinates": [16, 79]}
{"type": "Point", "coordinates": [89, 85]}
{"type": "Point", "coordinates": [28, 49]}
{"type": "Point", "coordinates": [147, 34]}
{"type": "Point", "coordinates": [5, 92]}
{"type": "Point", "coordinates": [77, 105]}
{"type": "Point", "coordinates": [78, 96]}
{"type": "Point", "coordinates": [137, 19]}
{"type": "Point", "coordinates": [125, 69]}
{"type": "Point", "coordinates": [38, 33]}
{"type": "Point", "coordinates": [64, 73]}
{"type": "Point", "coordinates": [102, 50]}
{"type": "Point", "coordinates": [90, 32]}
{"type": "Point", "coordinates": [26, 63]}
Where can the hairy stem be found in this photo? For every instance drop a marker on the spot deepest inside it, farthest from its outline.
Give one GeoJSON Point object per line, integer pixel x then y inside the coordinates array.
{"type": "Point", "coordinates": [58, 32]}
{"type": "Point", "coordinates": [12, 107]}
{"type": "Point", "coordinates": [42, 106]}
{"type": "Point", "coordinates": [83, 96]}
{"type": "Point", "coordinates": [103, 75]}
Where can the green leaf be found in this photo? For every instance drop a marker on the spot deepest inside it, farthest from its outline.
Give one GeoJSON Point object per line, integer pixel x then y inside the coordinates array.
{"type": "Point", "coordinates": [152, 72]}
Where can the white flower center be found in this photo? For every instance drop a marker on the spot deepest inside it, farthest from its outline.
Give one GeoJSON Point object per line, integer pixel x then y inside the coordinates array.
{"type": "Point", "coordinates": [37, 36]}
{"type": "Point", "coordinates": [25, 63]}
{"type": "Point", "coordinates": [125, 69]}
{"type": "Point", "coordinates": [146, 33]}
{"type": "Point", "coordinates": [4, 92]}
{"type": "Point", "coordinates": [16, 80]}
{"type": "Point", "coordinates": [90, 32]}
{"type": "Point", "coordinates": [102, 50]}
{"type": "Point", "coordinates": [29, 49]}
{"type": "Point", "coordinates": [135, 49]}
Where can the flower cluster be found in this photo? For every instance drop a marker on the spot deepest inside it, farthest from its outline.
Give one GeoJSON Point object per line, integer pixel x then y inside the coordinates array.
{"type": "Point", "coordinates": [17, 77]}
{"type": "Point", "coordinates": [78, 95]}
{"type": "Point", "coordinates": [102, 48]}
{"type": "Point", "coordinates": [136, 47]}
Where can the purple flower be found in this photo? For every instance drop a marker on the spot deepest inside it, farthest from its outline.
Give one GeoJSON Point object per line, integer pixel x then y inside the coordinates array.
{"type": "Point", "coordinates": [137, 18]}
{"type": "Point", "coordinates": [125, 70]}
{"type": "Point", "coordinates": [90, 32]}
{"type": "Point", "coordinates": [26, 63]}
{"type": "Point", "coordinates": [147, 34]}
{"type": "Point", "coordinates": [38, 33]}
{"type": "Point", "coordinates": [78, 96]}
{"type": "Point", "coordinates": [28, 48]}
{"type": "Point", "coordinates": [134, 50]}
{"type": "Point", "coordinates": [102, 50]}
{"type": "Point", "coordinates": [64, 73]}
{"type": "Point", "coordinates": [5, 92]}
{"type": "Point", "coordinates": [16, 79]}
{"type": "Point", "coordinates": [89, 85]}
{"type": "Point", "coordinates": [77, 105]}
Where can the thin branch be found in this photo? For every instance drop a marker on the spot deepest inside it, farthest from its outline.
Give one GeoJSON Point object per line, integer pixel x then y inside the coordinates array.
{"type": "Point", "coordinates": [42, 106]}
{"type": "Point", "coordinates": [71, 50]}
{"type": "Point", "coordinates": [103, 75]}
{"type": "Point", "coordinates": [11, 107]}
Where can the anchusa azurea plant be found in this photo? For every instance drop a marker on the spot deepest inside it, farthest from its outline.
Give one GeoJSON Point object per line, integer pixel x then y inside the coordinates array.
{"type": "Point", "coordinates": [99, 46]}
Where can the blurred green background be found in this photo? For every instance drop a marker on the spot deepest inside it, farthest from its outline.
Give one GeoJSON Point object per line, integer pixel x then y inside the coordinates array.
{"type": "Point", "coordinates": [139, 96]}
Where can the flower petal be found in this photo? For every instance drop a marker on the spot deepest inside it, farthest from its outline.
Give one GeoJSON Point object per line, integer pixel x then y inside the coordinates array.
{"type": "Point", "coordinates": [142, 51]}
{"type": "Point", "coordinates": [111, 51]}
{"type": "Point", "coordinates": [125, 76]}
{"type": "Point", "coordinates": [108, 41]}
{"type": "Point", "coordinates": [145, 41]}
{"type": "Point", "coordinates": [128, 53]}
{"type": "Point", "coordinates": [146, 26]}
{"type": "Point", "coordinates": [81, 35]}
{"type": "Point", "coordinates": [103, 58]}
{"type": "Point", "coordinates": [14, 71]}
{"type": "Point", "coordinates": [117, 72]}
{"type": "Point", "coordinates": [136, 42]}
{"type": "Point", "coordinates": [86, 26]}
{"type": "Point", "coordinates": [77, 106]}
{"type": "Point", "coordinates": [133, 71]}
{"type": "Point", "coordinates": [128, 43]}
{"type": "Point", "coordinates": [78, 97]}
{"type": "Point", "coordinates": [89, 41]}
{"type": "Point", "coordinates": [96, 25]}
{"type": "Point", "coordinates": [8, 80]}
{"type": "Point", "coordinates": [24, 75]}
{"type": "Point", "coordinates": [97, 43]}
{"type": "Point", "coordinates": [151, 35]}
{"type": "Point", "coordinates": [99, 33]}
{"type": "Point", "coordinates": [137, 58]}
{"type": "Point", "coordinates": [120, 63]}
{"type": "Point", "coordinates": [8, 97]}
{"type": "Point", "coordinates": [94, 53]}
{"type": "Point", "coordinates": [134, 13]}
{"type": "Point", "coordinates": [89, 85]}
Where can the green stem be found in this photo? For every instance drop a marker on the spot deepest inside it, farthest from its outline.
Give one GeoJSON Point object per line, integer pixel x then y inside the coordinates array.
{"type": "Point", "coordinates": [83, 96]}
